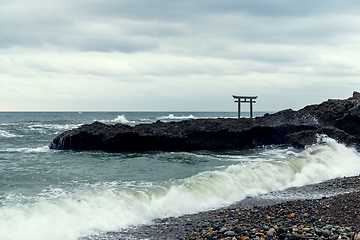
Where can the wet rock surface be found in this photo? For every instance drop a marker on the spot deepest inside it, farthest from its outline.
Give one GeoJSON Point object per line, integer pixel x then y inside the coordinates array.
{"type": "Point", "coordinates": [339, 119]}
{"type": "Point", "coordinates": [328, 210]}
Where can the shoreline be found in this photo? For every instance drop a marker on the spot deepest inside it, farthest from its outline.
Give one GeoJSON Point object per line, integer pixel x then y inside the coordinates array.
{"type": "Point", "coordinates": [312, 207]}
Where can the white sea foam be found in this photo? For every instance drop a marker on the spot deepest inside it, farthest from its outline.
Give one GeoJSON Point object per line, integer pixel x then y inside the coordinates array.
{"type": "Point", "coordinates": [145, 120]}
{"type": "Point", "coordinates": [6, 134]}
{"type": "Point", "coordinates": [68, 215]}
{"type": "Point", "coordinates": [29, 150]}
{"type": "Point", "coordinates": [173, 117]}
{"type": "Point", "coordinates": [38, 128]}
{"type": "Point", "coordinates": [119, 119]}
{"type": "Point", "coordinates": [326, 160]}
{"type": "Point", "coordinates": [267, 153]}
{"type": "Point", "coordinates": [9, 124]}
{"type": "Point", "coordinates": [44, 128]}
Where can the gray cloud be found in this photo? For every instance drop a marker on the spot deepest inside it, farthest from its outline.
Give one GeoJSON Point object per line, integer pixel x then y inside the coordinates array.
{"type": "Point", "coordinates": [133, 26]}
{"type": "Point", "coordinates": [137, 50]}
{"type": "Point", "coordinates": [178, 11]}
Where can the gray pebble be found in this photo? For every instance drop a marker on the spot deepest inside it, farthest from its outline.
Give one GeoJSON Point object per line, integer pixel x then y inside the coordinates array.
{"type": "Point", "coordinates": [326, 233]}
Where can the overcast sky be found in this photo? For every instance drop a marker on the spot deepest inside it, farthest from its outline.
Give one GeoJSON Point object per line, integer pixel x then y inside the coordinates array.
{"type": "Point", "coordinates": [135, 55]}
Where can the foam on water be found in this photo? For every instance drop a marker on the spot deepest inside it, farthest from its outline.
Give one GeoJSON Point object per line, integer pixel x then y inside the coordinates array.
{"type": "Point", "coordinates": [91, 208]}
{"type": "Point", "coordinates": [325, 160]}
{"type": "Point", "coordinates": [45, 128]}
{"type": "Point", "coordinates": [6, 134]}
{"type": "Point", "coordinates": [24, 130]}
{"type": "Point", "coordinates": [29, 150]}
{"type": "Point", "coordinates": [120, 119]}
{"type": "Point", "coordinates": [173, 117]}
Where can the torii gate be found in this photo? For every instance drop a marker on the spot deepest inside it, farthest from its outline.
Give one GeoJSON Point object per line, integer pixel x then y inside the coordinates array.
{"type": "Point", "coordinates": [241, 99]}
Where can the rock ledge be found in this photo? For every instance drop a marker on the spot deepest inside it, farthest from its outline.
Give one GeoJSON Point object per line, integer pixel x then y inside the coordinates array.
{"type": "Point", "coordinates": [339, 119]}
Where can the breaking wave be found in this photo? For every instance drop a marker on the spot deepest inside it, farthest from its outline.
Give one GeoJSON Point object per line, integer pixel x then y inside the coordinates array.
{"type": "Point", "coordinates": [6, 134]}
{"type": "Point", "coordinates": [122, 119]}
{"type": "Point", "coordinates": [29, 150]}
{"type": "Point", "coordinates": [90, 209]}
{"type": "Point", "coordinates": [173, 117]}
{"type": "Point", "coordinates": [45, 128]}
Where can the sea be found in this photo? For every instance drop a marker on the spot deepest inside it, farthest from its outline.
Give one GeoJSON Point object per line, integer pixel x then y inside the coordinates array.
{"type": "Point", "coordinates": [70, 195]}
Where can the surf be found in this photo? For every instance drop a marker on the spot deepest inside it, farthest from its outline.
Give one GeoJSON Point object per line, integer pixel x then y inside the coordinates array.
{"type": "Point", "coordinates": [109, 206]}
{"type": "Point", "coordinates": [6, 134]}
{"type": "Point", "coordinates": [173, 117]}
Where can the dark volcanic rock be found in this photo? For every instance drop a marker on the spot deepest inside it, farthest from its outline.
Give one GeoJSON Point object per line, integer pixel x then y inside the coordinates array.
{"type": "Point", "coordinates": [308, 137]}
{"type": "Point", "coordinates": [339, 119]}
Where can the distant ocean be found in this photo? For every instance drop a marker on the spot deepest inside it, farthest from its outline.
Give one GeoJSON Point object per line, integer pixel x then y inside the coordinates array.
{"type": "Point", "coordinates": [64, 195]}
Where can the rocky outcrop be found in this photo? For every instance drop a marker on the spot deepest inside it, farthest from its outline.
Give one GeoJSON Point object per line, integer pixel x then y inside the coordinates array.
{"type": "Point", "coordinates": [339, 119]}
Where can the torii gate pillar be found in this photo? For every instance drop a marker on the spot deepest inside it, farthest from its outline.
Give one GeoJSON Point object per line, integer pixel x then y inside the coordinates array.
{"type": "Point", "coordinates": [241, 99]}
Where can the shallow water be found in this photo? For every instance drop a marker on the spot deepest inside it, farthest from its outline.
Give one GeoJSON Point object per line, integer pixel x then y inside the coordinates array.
{"type": "Point", "coordinates": [49, 194]}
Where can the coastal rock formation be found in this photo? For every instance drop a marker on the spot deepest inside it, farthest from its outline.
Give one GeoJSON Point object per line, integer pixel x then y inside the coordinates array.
{"type": "Point", "coordinates": [339, 119]}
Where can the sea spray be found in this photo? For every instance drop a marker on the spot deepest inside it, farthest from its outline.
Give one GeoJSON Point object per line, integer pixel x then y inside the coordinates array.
{"type": "Point", "coordinates": [325, 160]}
{"type": "Point", "coordinates": [122, 119]}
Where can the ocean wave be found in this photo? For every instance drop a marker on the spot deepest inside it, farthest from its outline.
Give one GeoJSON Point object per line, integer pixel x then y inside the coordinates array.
{"type": "Point", "coordinates": [326, 160]}
{"type": "Point", "coordinates": [173, 117]}
{"type": "Point", "coordinates": [118, 119]}
{"type": "Point", "coordinates": [29, 150]}
{"type": "Point", "coordinates": [44, 128]}
{"type": "Point", "coordinates": [92, 208]}
{"type": "Point", "coordinates": [253, 155]}
{"type": "Point", "coordinates": [9, 124]}
{"type": "Point", "coordinates": [6, 134]}
{"type": "Point", "coordinates": [122, 119]}
{"type": "Point", "coordinates": [146, 120]}
{"type": "Point", "coordinates": [30, 128]}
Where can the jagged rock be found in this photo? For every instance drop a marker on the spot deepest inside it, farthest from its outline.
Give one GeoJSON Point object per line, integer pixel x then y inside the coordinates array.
{"type": "Point", "coordinates": [303, 138]}
{"type": "Point", "coordinates": [339, 119]}
{"type": "Point", "coordinates": [309, 137]}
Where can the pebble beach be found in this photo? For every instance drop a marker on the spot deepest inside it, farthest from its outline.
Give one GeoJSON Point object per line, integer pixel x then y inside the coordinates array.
{"type": "Point", "coordinates": [326, 210]}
